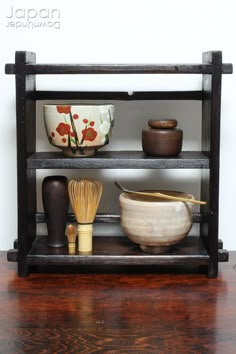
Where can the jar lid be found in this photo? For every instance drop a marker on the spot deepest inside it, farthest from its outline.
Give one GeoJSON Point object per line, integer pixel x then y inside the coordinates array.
{"type": "Point", "coordinates": [162, 123]}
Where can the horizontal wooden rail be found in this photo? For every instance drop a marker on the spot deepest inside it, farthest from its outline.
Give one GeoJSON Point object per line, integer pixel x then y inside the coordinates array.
{"type": "Point", "coordinates": [58, 69]}
{"type": "Point", "coordinates": [122, 96]}
{"type": "Point", "coordinates": [110, 218]}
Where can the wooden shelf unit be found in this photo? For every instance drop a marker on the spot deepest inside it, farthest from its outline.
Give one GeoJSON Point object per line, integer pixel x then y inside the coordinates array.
{"type": "Point", "coordinates": [31, 249]}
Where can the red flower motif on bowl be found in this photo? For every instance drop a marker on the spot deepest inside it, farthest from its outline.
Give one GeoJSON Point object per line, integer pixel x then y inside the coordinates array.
{"type": "Point", "coordinates": [89, 134]}
{"type": "Point", "coordinates": [63, 109]}
{"type": "Point", "coordinates": [63, 129]}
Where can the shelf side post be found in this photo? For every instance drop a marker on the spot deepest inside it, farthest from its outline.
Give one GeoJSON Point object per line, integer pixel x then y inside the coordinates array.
{"type": "Point", "coordinates": [26, 142]}
{"type": "Point", "coordinates": [211, 111]}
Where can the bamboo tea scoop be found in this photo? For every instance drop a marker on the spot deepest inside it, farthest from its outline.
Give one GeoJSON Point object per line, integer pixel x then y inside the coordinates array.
{"type": "Point", "coordinates": [160, 195]}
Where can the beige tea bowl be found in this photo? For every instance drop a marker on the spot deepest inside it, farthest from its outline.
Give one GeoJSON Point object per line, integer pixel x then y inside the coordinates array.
{"type": "Point", "coordinates": [155, 224]}
{"type": "Point", "coordinates": [79, 130]}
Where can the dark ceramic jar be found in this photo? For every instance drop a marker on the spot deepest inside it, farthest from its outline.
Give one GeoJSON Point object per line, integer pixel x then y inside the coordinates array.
{"type": "Point", "coordinates": [56, 202]}
{"type": "Point", "coordinates": [162, 138]}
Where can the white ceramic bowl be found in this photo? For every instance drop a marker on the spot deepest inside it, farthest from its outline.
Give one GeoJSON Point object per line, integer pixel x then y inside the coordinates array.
{"type": "Point", "coordinates": [79, 130]}
{"type": "Point", "coordinates": [155, 224]}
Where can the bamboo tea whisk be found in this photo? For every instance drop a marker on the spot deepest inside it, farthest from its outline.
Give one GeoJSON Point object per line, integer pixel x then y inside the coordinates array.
{"type": "Point", "coordinates": [85, 195]}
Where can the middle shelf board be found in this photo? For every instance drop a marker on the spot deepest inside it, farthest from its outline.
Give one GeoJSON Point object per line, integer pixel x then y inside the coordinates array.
{"type": "Point", "coordinates": [118, 159]}
{"type": "Point", "coordinates": [118, 250]}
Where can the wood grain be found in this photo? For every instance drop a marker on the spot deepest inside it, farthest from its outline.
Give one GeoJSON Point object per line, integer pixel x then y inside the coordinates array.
{"type": "Point", "coordinates": [136, 312]}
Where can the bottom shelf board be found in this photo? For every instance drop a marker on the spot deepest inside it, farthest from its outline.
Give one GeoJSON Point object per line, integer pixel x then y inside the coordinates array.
{"type": "Point", "coordinates": [118, 251]}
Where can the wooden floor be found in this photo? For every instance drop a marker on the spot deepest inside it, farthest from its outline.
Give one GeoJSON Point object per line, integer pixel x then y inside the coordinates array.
{"type": "Point", "coordinates": [117, 312]}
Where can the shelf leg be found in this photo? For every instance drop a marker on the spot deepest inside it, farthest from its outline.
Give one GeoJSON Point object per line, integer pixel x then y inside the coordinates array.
{"type": "Point", "coordinates": [23, 269]}
{"type": "Point", "coordinates": [211, 108]}
{"type": "Point", "coordinates": [26, 145]}
{"type": "Point", "coordinates": [212, 269]}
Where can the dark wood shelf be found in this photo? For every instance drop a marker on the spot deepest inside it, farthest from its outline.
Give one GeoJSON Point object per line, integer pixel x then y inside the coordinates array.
{"type": "Point", "coordinates": [116, 95]}
{"type": "Point", "coordinates": [112, 218]}
{"type": "Point", "coordinates": [118, 251]}
{"type": "Point", "coordinates": [33, 250]}
{"type": "Point", "coordinates": [118, 159]}
{"type": "Point", "coordinates": [44, 69]}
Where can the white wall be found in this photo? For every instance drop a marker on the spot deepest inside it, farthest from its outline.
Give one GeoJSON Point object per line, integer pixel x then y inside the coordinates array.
{"type": "Point", "coordinates": [123, 31]}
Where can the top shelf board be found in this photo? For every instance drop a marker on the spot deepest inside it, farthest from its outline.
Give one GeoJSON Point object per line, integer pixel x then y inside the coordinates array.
{"type": "Point", "coordinates": [39, 69]}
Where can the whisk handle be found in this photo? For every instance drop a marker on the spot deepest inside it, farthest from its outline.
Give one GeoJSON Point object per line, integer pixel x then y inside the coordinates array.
{"type": "Point", "coordinates": [85, 235]}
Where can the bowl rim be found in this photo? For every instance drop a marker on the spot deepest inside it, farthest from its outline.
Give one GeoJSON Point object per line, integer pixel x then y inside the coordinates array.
{"type": "Point", "coordinates": [79, 105]}
{"type": "Point", "coordinates": [123, 197]}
